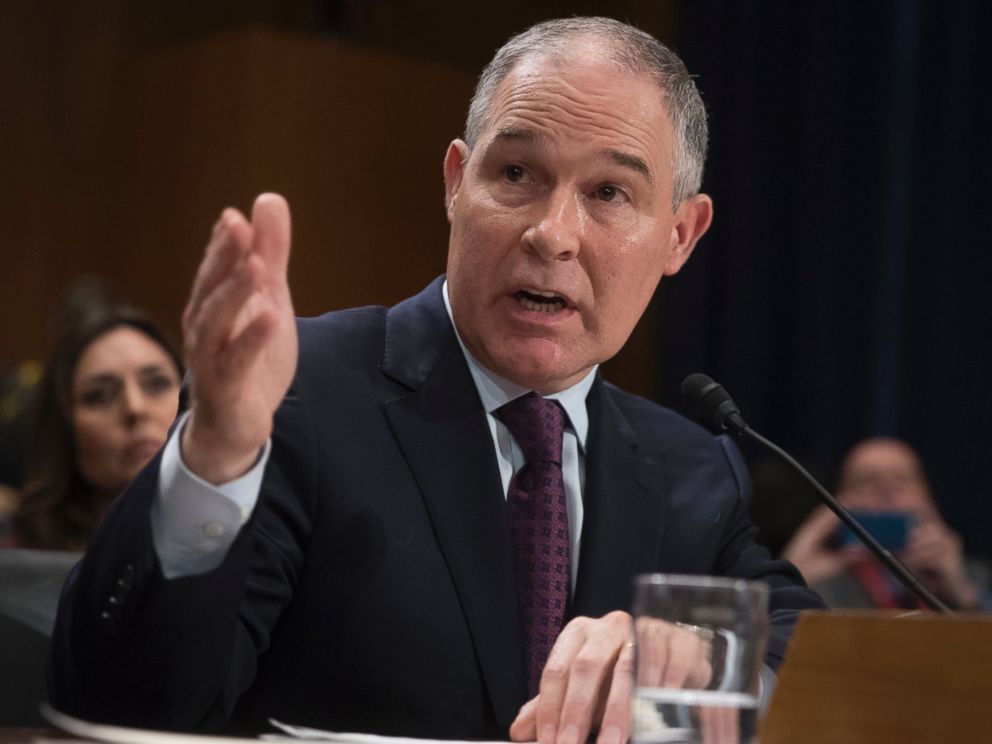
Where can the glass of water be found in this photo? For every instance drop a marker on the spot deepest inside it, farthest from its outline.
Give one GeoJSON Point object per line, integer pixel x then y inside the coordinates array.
{"type": "Point", "coordinates": [700, 642]}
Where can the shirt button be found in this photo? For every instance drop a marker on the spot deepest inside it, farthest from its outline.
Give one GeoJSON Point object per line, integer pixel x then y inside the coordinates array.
{"type": "Point", "coordinates": [213, 529]}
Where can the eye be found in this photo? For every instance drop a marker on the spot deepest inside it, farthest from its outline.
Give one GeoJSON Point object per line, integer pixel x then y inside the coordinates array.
{"type": "Point", "coordinates": [100, 396]}
{"type": "Point", "coordinates": [158, 384]}
{"type": "Point", "coordinates": [514, 173]}
{"type": "Point", "coordinates": [610, 193]}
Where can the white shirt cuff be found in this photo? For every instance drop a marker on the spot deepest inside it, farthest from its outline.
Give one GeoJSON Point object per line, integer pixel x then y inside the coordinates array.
{"type": "Point", "coordinates": [194, 523]}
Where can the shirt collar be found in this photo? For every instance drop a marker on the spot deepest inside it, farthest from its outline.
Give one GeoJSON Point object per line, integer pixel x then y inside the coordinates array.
{"type": "Point", "coordinates": [496, 391]}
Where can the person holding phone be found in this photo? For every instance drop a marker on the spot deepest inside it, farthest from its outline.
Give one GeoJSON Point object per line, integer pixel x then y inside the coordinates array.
{"type": "Point", "coordinates": [882, 481]}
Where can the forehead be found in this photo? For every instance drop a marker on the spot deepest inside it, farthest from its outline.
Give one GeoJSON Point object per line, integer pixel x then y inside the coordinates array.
{"type": "Point", "coordinates": [120, 349]}
{"type": "Point", "coordinates": [882, 456]}
{"type": "Point", "coordinates": [583, 100]}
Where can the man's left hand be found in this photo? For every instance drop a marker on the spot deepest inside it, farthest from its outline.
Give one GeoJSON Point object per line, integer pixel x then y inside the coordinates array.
{"type": "Point", "coordinates": [586, 684]}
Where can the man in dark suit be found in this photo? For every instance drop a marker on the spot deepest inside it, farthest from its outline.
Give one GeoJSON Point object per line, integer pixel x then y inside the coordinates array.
{"type": "Point", "coordinates": [360, 573]}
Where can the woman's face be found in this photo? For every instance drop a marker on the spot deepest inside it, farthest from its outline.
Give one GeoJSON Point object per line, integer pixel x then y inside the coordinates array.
{"type": "Point", "coordinates": [125, 393]}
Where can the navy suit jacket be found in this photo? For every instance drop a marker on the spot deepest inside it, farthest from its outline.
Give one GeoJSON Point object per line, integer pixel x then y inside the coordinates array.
{"type": "Point", "coordinates": [373, 589]}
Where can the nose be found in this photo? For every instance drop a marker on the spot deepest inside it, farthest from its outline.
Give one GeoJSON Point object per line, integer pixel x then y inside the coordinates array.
{"type": "Point", "coordinates": [556, 232]}
{"type": "Point", "coordinates": [135, 402]}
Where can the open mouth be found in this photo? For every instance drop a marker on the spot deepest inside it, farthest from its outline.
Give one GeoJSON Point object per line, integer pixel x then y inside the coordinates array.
{"type": "Point", "coordinates": [543, 302]}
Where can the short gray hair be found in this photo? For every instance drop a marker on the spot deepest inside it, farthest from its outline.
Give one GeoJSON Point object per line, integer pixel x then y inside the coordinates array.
{"type": "Point", "coordinates": [634, 51]}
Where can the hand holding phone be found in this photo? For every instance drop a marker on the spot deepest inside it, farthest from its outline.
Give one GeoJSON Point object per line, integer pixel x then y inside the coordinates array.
{"type": "Point", "coordinates": [890, 529]}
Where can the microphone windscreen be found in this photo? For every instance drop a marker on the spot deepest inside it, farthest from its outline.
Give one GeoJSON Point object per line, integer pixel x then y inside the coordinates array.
{"type": "Point", "coordinates": [708, 401]}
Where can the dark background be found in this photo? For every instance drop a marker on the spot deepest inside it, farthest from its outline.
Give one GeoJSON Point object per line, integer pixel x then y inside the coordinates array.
{"type": "Point", "coordinates": [842, 291]}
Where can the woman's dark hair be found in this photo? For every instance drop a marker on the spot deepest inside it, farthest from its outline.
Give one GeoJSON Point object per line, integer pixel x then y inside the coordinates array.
{"type": "Point", "coordinates": [58, 509]}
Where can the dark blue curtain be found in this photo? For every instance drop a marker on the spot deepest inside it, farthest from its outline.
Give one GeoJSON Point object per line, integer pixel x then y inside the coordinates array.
{"type": "Point", "coordinates": [844, 289]}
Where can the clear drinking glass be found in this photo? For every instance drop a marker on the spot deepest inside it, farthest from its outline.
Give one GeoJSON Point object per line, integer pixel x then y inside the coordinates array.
{"type": "Point", "coordinates": [700, 642]}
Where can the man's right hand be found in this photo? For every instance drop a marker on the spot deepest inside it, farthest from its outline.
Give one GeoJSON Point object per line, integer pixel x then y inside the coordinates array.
{"type": "Point", "coordinates": [239, 334]}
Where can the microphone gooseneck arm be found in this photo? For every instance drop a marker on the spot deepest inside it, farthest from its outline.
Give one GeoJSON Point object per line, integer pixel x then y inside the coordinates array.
{"type": "Point", "coordinates": [711, 403]}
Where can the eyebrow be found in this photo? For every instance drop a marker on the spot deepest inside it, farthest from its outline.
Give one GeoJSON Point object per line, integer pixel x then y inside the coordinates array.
{"type": "Point", "coordinates": [531, 136]}
{"type": "Point", "coordinates": [635, 163]}
{"type": "Point", "coordinates": [509, 132]}
{"type": "Point", "coordinates": [102, 377]}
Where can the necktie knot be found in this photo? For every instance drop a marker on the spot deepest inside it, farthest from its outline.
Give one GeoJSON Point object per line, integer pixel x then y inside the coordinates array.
{"type": "Point", "coordinates": [537, 425]}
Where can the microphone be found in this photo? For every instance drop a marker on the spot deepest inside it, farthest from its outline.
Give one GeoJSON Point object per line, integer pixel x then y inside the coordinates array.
{"type": "Point", "coordinates": [711, 404]}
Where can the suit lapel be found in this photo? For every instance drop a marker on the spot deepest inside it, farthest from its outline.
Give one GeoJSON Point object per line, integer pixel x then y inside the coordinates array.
{"type": "Point", "coordinates": [623, 511]}
{"type": "Point", "coordinates": [445, 438]}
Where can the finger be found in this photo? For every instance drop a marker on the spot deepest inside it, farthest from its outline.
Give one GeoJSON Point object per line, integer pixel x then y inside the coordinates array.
{"type": "Point", "coordinates": [685, 657]}
{"type": "Point", "coordinates": [229, 244]}
{"type": "Point", "coordinates": [719, 725]}
{"type": "Point", "coordinates": [247, 345]}
{"type": "Point", "coordinates": [822, 525]}
{"type": "Point", "coordinates": [926, 545]}
{"type": "Point", "coordinates": [524, 726]}
{"type": "Point", "coordinates": [555, 678]}
{"type": "Point", "coordinates": [649, 660]}
{"type": "Point", "coordinates": [212, 327]}
{"type": "Point", "coordinates": [615, 725]}
{"type": "Point", "coordinates": [708, 732]}
{"type": "Point", "coordinates": [588, 679]}
{"type": "Point", "coordinates": [271, 219]}
{"type": "Point", "coordinates": [652, 651]}
{"type": "Point", "coordinates": [730, 718]}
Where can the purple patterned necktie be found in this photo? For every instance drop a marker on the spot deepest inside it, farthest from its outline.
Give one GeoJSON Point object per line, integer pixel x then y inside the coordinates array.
{"type": "Point", "coordinates": [535, 504]}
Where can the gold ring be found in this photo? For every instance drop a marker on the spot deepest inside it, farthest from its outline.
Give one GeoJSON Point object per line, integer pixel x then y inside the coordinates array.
{"type": "Point", "coordinates": [628, 645]}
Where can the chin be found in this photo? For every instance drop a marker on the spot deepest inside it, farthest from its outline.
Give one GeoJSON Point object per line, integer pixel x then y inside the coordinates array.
{"type": "Point", "coordinates": [542, 374]}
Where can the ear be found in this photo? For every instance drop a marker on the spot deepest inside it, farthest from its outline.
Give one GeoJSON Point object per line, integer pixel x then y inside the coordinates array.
{"type": "Point", "coordinates": [692, 220]}
{"type": "Point", "coordinates": [455, 162]}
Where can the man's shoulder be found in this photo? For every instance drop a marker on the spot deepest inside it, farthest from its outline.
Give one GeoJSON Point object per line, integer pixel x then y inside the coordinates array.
{"type": "Point", "coordinates": [670, 436]}
{"type": "Point", "coordinates": [419, 315]}
{"type": "Point", "coordinates": [350, 321]}
{"type": "Point", "coordinates": [650, 419]}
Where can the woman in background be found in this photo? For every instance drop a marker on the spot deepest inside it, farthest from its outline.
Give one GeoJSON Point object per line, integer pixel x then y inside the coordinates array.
{"type": "Point", "coordinates": [103, 408]}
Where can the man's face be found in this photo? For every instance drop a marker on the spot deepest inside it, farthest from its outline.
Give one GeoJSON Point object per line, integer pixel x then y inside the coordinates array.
{"type": "Point", "coordinates": [562, 221]}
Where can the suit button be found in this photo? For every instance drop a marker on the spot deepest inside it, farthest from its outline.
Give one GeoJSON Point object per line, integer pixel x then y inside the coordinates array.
{"type": "Point", "coordinates": [126, 579]}
{"type": "Point", "coordinates": [114, 608]}
{"type": "Point", "coordinates": [108, 624]}
{"type": "Point", "coordinates": [121, 590]}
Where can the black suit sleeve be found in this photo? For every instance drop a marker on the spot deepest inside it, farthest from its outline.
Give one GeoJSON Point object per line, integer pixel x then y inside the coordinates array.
{"type": "Point", "coordinates": [743, 557]}
{"type": "Point", "coordinates": [133, 648]}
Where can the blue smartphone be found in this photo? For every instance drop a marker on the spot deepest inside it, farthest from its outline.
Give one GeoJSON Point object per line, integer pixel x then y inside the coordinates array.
{"type": "Point", "coordinates": [891, 529]}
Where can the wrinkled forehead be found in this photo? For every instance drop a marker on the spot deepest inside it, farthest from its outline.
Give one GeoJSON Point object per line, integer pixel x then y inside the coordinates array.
{"type": "Point", "coordinates": [578, 98]}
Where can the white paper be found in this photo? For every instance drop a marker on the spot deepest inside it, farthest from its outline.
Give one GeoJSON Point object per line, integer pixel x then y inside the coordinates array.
{"type": "Point", "coordinates": [302, 733]}
{"type": "Point", "coordinates": [124, 735]}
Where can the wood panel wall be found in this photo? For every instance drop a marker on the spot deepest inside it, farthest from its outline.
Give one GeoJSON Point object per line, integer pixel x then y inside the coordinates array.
{"type": "Point", "coordinates": [120, 147]}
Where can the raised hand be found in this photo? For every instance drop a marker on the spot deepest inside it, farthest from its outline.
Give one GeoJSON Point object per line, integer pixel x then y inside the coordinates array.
{"type": "Point", "coordinates": [240, 340]}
